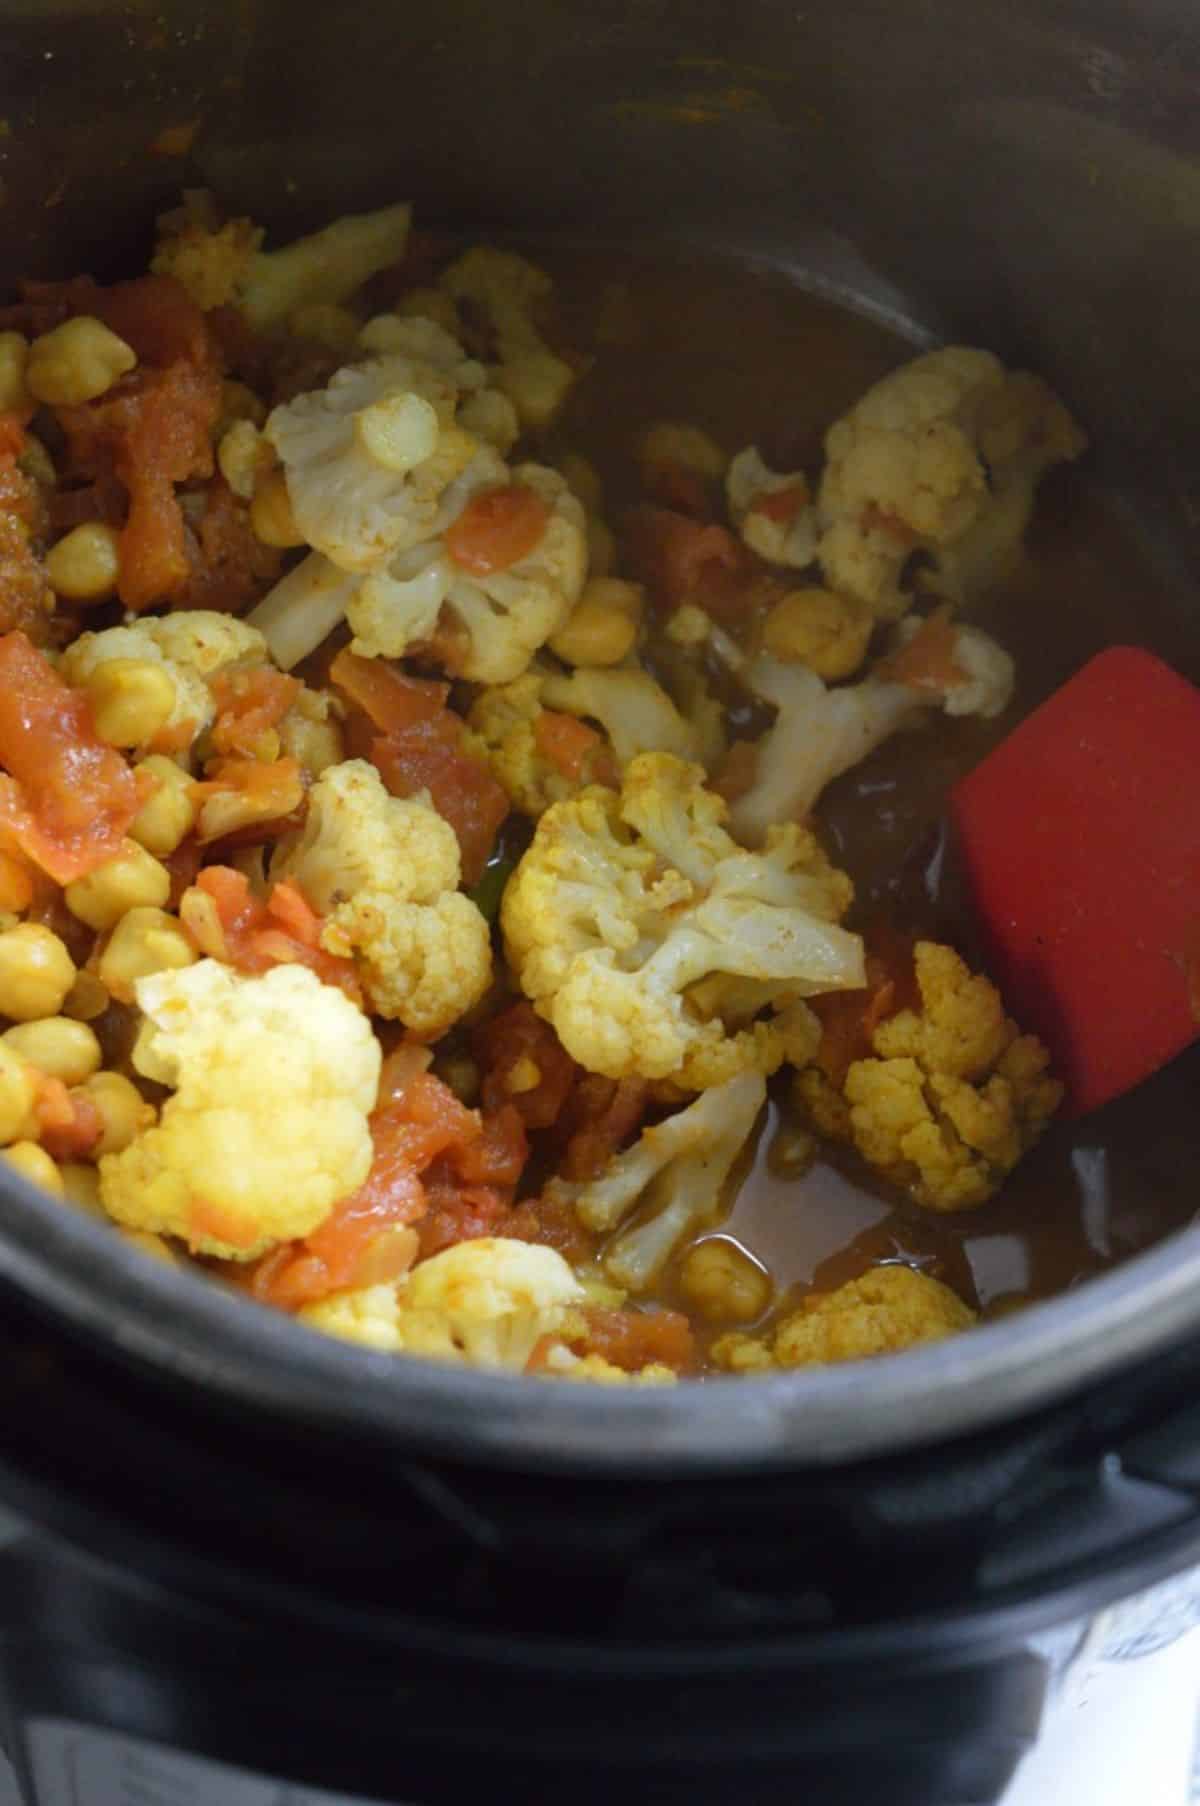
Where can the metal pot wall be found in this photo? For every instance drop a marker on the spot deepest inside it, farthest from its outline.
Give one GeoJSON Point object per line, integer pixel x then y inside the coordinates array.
{"type": "Point", "coordinates": [1022, 175]}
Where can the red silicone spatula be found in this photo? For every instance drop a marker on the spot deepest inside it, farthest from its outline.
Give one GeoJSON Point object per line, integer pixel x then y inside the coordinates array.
{"type": "Point", "coordinates": [1081, 840]}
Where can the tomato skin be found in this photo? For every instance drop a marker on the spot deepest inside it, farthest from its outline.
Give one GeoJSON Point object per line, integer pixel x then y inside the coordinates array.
{"type": "Point", "coordinates": [496, 529]}
{"type": "Point", "coordinates": [69, 798]}
{"type": "Point", "coordinates": [256, 935]}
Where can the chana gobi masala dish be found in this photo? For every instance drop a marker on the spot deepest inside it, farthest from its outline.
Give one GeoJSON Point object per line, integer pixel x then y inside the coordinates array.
{"type": "Point", "coordinates": [422, 909]}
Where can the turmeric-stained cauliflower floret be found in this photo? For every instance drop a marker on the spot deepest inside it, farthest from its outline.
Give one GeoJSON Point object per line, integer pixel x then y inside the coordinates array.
{"type": "Point", "coordinates": [623, 902]}
{"type": "Point", "coordinates": [520, 727]}
{"type": "Point", "coordinates": [384, 871]}
{"type": "Point", "coordinates": [942, 458]}
{"type": "Point", "coordinates": [821, 732]}
{"type": "Point", "coordinates": [888, 1309]}
{"type": "Point", "coordinates": [593, 1369]}
{"type": "Point", "coordinates": [483, 1303]}
{"type": "Point", "coordinates": [508, 292]}
{"type": "Point", "coordinates": [191, 646]}
{"type": "Point", "coordinates": [211, 259]}
{"type": "Point", "coordinates": [375, 462]}
{"type": "Point", "coordinates": [773, 512]}
{"type": "Point", "coordinates": [273, 1078]}
{"type": "Point", "coordinates": [683, 1164]}
{"type": "Point", "coordinates": [954, 1095]}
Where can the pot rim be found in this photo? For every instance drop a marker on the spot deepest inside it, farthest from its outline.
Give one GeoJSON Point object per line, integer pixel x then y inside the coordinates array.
{"type": "Point", "coordinates": [191, 1331]}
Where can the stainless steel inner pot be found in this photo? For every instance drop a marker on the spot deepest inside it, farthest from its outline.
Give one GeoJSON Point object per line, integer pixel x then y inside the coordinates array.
{"type": "Point", "coordinates": [1018, 173]}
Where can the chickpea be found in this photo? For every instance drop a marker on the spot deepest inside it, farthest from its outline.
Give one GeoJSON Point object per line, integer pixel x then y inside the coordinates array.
{"type": "Point", "coordinates": [14, 356]}
{"type": "Point", "coordinates": [271, 513]}
{"type": "Point", "coordinates": [583, 480]}
{"type": "Point", "coordinates": [245, 458]}
{"type": "Point", "coordinates": [34, 1164]}
{"type": "Point", "coordinates": [77, 361]}
{"type": "Point", "coordinates": [133, 878]}
{"type": "Point", "coordinates": [723, 1282]}
{"type": "Point", "coordinates": [675, 442]}
{"type": "Point", "coordinates": [168, 816]}
{"type": "Point", "coordinates": [121, 1108]}
{"type": "Point", "coordinates": [57, 1046]}
{"type": "Point", "coordinates": [86, 999]}
{"type": "Point", "coordinates": [399, 432]}
{"type": "Point", "coordinates": [36, 972]}
{"type": "Point", "coordinates": [602, 547]}
{"type": "Point", "coordinates": [131, 698]}
{"type": "Point", "coordinates": [145, 940]}
{"type": "Point", "coordinates": [17, 1092]}
{"type": "Point", "coordinates": [814, 627]}
{"type": "Point", "coordinates": [83, 565]}
{"type": "Point", "coordinates": [81, 1187]}
{"type": "Point", "coordinates": [602, 628]}
{"type": "Point", "coordinates": [37, 463]}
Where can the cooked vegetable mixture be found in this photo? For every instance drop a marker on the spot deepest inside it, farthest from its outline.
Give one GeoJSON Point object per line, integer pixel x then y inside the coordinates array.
{"type": "Point", "coordinates": [411, 874]}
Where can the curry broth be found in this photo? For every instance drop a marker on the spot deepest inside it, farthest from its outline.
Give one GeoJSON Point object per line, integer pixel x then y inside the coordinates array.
{"type": "Point", "coordinates": [751, 357]}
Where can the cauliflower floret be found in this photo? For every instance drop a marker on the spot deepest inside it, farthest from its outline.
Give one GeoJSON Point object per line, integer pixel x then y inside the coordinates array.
{"type": "Point", "coordinates": [593, 1369]}
{"type": "Point", "coordinates": [888, 1309]}
{"type": "Point", "coordinates": [193, 645]}
{"type": "Point", "coordinates": [303, 609]}
{"type": "Point", "coordinates": [501, 618]}
{"type": "Point", "coordinates": [325, 268]}
{"type": "Point", "coordinates": [274, 1078]}
{"type": "Point", "coordinates": [508, 291]}
{"type": "Point", "coordinates": [210, 260]}
{"type": "Point", "coordinates": [782, 530]}
{"type": "Point", "coordinates": [634, 713]}
{"type": "Point", "coordinates": [483, 1303]}
{"type": "Point", "coordinates": [941, 457]}
{"type": "Point", "coordinates": [374, 461]}
{"type": "Point", "coordinates": [954, 1096]}
{"type": "Point", "coordinates": [683, 1164]}
{"type": "Point", "coordinates": [822, 732]}
{"type": "Point", "coordinates": [623, 902]}
{"type": "Point", "coordinates": [385, 871]}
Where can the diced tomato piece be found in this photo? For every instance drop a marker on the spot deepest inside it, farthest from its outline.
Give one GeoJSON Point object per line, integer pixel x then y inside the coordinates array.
{"type": "Point", "coordinates": [431, 756]}
{"type": "Point", "coordinates": [390, 700]}
{"type": "Point", "coordinates": [436, 1163]}
{"type": "Point", "coordinates": [231, 568]}
{"type": "Point", "coordinates": [274, 792]}
{"type": "Point", "coordinates": [26, 599]}
{"type": "Point", "coordinates": [782, 505]}
{"type": "Point", "coordinates": [633, 1339]}
{"type": "Point", "coordinates": [69, 1123]}
{"type": "Point", "coordinates": [249, 704]}
{"type": "Point", "coordinates": [671, 554]}
{"type": "Point", "coordinates": [253, 935]}
{"type": "Point", "coordinates": [157, 317]}
{"type": "Point", "coordinates": [849, 1018]}
{"type": "Point", "coordinates": [680, 488]}
{"type": "Point", "coordinates": [16, 883]}
{"type": "Point", "coordinates": [518, 1038]}
{"type": "Point", "coordinates": [927, 661]}
{"type": "Point", "coordinates": [70, 798]}
{"type": "Point", "coordinates": [566, 742]}
{"type": "Point", "coordinates": [496, 529]}
{"type": "Point", "coordinates": [604, 1116]}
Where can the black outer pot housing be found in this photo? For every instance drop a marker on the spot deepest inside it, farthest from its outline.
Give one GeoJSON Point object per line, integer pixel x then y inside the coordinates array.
{"type": "Point", "coordinates": [400, 1582]}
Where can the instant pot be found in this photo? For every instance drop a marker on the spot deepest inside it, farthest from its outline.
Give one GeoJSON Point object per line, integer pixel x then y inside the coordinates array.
{"type": "Point", "coordinates": [333, 1570]}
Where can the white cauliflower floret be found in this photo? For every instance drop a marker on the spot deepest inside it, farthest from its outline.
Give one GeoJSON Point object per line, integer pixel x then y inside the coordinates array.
{"type": "Point", "coordinates": [385, 871]}
{"type": "Point", "coordinates": [942, 457]}
{"type": "Point", "coordinates": [375, 462]}
{"type": "Point", "coordinates": [624, 902]}
{"type": "Point", "coordinates": [274, 1078]}
{"type": "Point", "coordinates": [484, 1303]}
{"type": "Point", "coordinates": [498, 620]}
{"type": "Point", "coordinates": [508, 291]}
{"type": "Point", "coordinates": [886, 1310]}
{"type": "Point", "coordinates": [303, 609]}
{"type": "Point", "coordinates": [504, 719]}
{"type": "Point", "coordinates": [323, 269]}
{"type": "Point", "coordinates": [821, 732]}
{"type": "Point", "coordinates": [636, 713]}
{"type": "Point", "coordinates": [192, 645]}
{"type": "Point", "coordinates": [783, 531]}
{"type": "Point", "coordinates": [682, 1165]}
